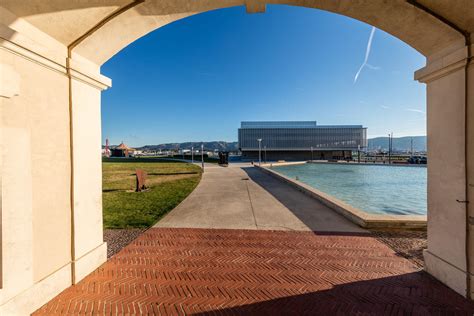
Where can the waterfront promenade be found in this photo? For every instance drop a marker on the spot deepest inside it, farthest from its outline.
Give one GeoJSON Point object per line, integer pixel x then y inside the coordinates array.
{"type": "Point", "coordinates": [242, 197]}
{"type": "Point", "coordinates": [244, 243]}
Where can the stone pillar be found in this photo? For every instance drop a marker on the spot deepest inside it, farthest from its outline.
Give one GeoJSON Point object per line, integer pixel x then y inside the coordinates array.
{"type": "Point", "coordinates": [88, 248]}
{"type": "Point", "coordinates": [470, 166]}
{"type": "Point", "coordinates": [16, 201]}
{"type": "Point", "coordinates": [46, 164]}
{"type": "Point", "coordinates": [35, 214]}
{"type": "Point", "coordinates": [450, 163]}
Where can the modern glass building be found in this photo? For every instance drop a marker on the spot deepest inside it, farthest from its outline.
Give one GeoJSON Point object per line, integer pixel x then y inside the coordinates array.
{"type": "Point", "coordinates": [300, 140]}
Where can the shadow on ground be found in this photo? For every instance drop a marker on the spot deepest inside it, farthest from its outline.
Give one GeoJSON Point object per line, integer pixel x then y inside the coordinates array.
{"type": "Point", "coordinates": [315, 215]}
{"type": "Point", "coordinates": [407, 244]}
{"type": "Point", "coordinates": [414, 293]}
{"type": "Point", "coordinates": [170, 271]}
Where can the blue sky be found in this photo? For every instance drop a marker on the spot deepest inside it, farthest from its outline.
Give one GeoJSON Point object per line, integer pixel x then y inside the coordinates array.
{"type": "Point", "coordinates": [197, 78]}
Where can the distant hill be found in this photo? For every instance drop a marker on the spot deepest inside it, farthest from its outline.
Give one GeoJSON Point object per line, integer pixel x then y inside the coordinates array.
{"type": "Point", "coordinates": [213, 145]}
{"type": "Point", "coordinates": [399, 144]}
{"type": "Point", "coordinates": [378, 143]}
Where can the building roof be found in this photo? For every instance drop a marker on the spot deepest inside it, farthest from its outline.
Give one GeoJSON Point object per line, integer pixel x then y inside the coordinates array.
{"type": "Point", "coordinates": [291, 124]}
{"type": "Point", "coordinates": [277, 124]}
{"type": "Point", "coordinates": [122, 146]}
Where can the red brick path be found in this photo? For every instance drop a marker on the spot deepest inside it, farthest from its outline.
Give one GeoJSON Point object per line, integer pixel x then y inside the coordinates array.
{"type": "Point", "coordinates": [186, 271]}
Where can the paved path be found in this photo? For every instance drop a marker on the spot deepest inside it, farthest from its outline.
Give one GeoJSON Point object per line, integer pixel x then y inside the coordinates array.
{"type": "Point", "coordinates": [242, 197]}
{"type": "Point", "coordinates": [173, 271]}
{"type": "Point", "coordinates": [325, 266]}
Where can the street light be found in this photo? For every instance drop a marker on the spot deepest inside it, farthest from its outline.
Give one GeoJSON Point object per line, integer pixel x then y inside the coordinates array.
{"type": "Point", "coordinates": [202, 156]}
{"type": "Point", "coordinates": [390, 138]}
{"type": "Point", "coordinates": [259, 140]}
{"type": "Point", "coordinates": [358, 153]}
{"type": "Point", "coordinates": [265, 149]}
{"type": "Point", "coordinates": [312, 157]}
{"type": "Point", "coordinates": [192, 154]}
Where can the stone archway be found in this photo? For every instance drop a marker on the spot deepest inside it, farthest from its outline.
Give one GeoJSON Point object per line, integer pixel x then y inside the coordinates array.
{"type": "Point", "coordinates": [50, 86]}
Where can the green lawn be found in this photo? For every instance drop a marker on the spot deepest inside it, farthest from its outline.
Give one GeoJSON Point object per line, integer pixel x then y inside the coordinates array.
{"type": "Point", "coordinates": [169, 182]}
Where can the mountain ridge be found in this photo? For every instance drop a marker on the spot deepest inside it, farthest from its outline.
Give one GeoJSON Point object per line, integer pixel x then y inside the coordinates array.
{"type": "Point", "coordinates": [398, 144]}
{"type": "Point", "coordinates": [376, 143]}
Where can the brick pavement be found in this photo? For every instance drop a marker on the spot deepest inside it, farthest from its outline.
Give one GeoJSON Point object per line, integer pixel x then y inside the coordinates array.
{"type": "Point", "coordinates": [168, 271]}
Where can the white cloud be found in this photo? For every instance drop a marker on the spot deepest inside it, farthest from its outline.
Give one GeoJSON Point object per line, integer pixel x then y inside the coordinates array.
{"type": "Point", "coordinates": [385, 107]}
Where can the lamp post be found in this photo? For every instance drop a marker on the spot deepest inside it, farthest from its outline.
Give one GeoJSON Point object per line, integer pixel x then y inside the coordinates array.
{"type": "Point", "coordinates": [358, 153]}
{"type": "Point", "coordinates": [192, 154]}
{"type": "Point", "coordinates": [312, 156]}
{"type": "Point", "coordinates": [389, 148]}
{"type": "Point", "coordinates": [265, 150]}
{"type": "Point", "coordinates": [259, 140]}
{"type": "Point", "coordinates": [390, 138]}
{"type": "Point", "coordinates": [202, 156]}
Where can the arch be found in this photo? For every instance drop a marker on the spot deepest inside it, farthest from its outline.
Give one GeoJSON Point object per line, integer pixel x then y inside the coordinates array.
{"type": "Point", "coordinates": [51, 103]}
{"type": "Point", "coordinates": [67, 22]}
{"type": "Point", "coordinates": [418, 29]}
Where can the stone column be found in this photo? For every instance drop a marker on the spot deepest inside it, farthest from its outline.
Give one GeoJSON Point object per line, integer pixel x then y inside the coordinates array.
{"type": "Point", "coordinates": [50, 167]}
{"type": "Point", "coordinates": [35, 212]}
{"type": "Point", "coordinates": [470, 166]}
{"type": "Point", "coordinates": [88, 248]}
{"type": "Point", "coordinates": [450, 127]}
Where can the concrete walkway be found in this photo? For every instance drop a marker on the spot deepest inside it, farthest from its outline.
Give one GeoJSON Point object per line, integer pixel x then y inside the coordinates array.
{"type": "Point", "coordinates": [242, 197]}
{"type": "Point", "coordinates": [251, 270]}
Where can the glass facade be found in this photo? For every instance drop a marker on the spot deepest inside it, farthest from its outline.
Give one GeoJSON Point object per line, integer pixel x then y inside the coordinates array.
{"type": "Point", "coordinates": [301, 136]}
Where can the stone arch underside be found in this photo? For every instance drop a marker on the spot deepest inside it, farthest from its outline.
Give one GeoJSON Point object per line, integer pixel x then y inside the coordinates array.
{"type": "Point", "coordinates": [68, 21]}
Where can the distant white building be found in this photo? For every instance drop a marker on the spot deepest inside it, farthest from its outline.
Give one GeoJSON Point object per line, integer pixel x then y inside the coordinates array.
{"type": "Point", "coordinates": [300, 140]}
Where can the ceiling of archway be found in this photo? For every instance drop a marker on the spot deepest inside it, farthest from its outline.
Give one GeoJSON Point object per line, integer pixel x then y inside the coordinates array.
{"type": "Point", "coordinates": [68, 20]}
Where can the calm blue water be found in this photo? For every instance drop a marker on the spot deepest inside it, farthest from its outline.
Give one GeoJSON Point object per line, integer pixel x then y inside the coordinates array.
{"type": "Point", "coordinates": [375, 189]}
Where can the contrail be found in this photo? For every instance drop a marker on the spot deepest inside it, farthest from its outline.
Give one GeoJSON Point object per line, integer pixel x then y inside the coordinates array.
{"type": "Point", "coordinates": [416, 111]}
{"type": "Point", "coordinates": [367, 52]}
